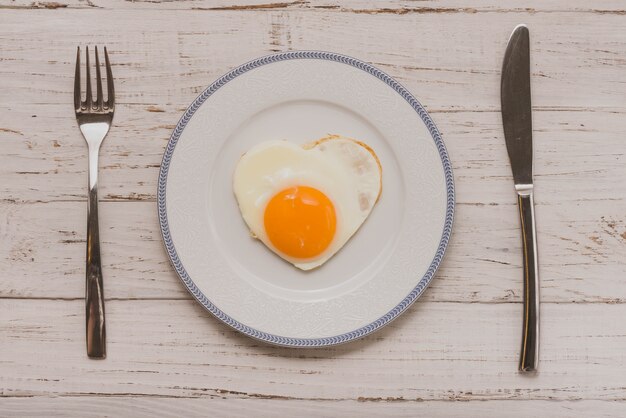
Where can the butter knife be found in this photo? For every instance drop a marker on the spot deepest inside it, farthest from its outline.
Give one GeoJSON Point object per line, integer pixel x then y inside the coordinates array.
{"type": "Point", "coordinates": [517, 123]}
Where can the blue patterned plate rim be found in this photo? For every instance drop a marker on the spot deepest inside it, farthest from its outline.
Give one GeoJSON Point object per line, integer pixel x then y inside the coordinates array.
{"type": "Point", "coordinates": [277, 339]}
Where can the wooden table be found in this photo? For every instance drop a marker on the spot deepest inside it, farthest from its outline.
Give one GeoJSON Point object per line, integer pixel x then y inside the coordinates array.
{"type": "Point", "coordinates": [454, 353]}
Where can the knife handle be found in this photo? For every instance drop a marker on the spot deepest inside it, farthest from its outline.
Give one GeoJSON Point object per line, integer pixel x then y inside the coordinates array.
{"type": "Point", "coordinates": [529, 355]}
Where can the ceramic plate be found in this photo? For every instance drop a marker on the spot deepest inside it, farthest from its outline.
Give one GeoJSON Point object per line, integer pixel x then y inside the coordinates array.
{"type": "Point", "coordinates": [300, 97]}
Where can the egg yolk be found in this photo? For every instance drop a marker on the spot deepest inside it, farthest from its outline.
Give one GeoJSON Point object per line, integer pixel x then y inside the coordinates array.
{"type": "Point", "coordinates": [300, 221]}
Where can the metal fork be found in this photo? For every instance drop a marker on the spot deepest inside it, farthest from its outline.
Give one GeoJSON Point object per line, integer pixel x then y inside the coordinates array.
{"type": "Point", "coordinates": [94, 120]}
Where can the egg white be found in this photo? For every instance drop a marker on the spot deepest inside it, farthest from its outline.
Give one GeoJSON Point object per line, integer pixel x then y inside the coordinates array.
{"type": "Point", "coordinates": [343, 170]}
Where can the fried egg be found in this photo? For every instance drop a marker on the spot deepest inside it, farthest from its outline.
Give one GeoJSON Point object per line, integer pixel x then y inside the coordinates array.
{"type": "Point", "coordinates": [305, 202]}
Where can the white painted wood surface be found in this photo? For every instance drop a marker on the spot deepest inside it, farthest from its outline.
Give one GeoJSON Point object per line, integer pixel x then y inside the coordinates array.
{"type": "Point", "coordinates": [454, 353]}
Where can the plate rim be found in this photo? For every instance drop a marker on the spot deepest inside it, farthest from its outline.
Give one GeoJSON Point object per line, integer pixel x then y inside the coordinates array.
{"type": "Point", "coordinates": [201, 298]}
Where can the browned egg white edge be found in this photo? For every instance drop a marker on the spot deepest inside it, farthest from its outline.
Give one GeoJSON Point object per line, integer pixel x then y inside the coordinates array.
{"type": "Point", "coordinates": [331, 137]}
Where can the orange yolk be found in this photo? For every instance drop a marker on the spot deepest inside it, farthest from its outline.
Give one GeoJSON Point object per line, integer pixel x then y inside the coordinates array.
{"type": "Point", "coordinates": [300, 221]}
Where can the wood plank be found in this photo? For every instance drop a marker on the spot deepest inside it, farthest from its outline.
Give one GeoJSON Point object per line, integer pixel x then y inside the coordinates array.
{"type": "Point", "coordinates": [582, 253]}
{"type": "Point", "coordinates": [44, 251]}
{"type": "Point", "coordinates": [149, 407]}
{"type": "Point", "coordinates": [398, 7]}
{"type": "Point", "coordinates": [579, 156]}
{"type": "Point", "coordinates": [165, 59]}
{"type": "Point", "coordinates": [436, 351]}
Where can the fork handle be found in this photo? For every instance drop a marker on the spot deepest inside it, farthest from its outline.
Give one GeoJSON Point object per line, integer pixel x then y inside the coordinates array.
{"type": "Point", "coordinates": [94, 297]}
{"type": "Point", "coordinates": [529, 355]}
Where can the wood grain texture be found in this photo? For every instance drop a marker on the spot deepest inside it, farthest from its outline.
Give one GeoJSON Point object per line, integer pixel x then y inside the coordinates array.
{"type": "Point", "coordinates": [149, 407]}
{"type": "Point", "coordinates": [437, 351]}
{"type": "Point", "coordinates": [579, 156]}
{"type": "Point", "coordinates": [454, 353]}
{"type": "Point", "coordinates": [398, 7]}
{"type": "Point", "coordinates": [432, 54]}
{"type": "Point", "coordinates": [582, 253]}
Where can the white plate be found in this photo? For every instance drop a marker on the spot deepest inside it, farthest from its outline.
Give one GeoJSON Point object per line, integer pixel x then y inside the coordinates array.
{"type": "Point", "coordinates": [303, 96]}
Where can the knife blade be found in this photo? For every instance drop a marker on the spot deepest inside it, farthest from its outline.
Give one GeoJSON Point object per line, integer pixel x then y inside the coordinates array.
{"type": "Point", "coordinates": [517, 124]}
{"type": "Point", "coordinates": [516, 108]}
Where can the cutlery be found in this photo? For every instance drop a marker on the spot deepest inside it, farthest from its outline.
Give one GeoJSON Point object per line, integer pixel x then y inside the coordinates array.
{"type": "Point", "coordinates": [517, 123]}
{"type": "Point", "coordinates": [94, 119]}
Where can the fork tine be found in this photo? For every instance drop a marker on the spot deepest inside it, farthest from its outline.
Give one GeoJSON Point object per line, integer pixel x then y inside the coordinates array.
{"type": "Point", "coordinates": [77, 81]}
{"type": "Point", "coordinates": [110, 88]}
{"type": "Point", "coordinates": [99, 98]}
{"type": "Point", "coordinates": [88, 99]}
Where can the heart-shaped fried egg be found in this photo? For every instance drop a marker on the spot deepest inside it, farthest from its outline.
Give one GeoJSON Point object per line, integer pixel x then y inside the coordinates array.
{"type": "Point", "coordinates": [305, 202]}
